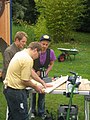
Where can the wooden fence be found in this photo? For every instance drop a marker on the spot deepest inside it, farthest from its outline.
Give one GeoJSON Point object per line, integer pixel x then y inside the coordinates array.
{"type": "Point", "coordinates": [5, 26]}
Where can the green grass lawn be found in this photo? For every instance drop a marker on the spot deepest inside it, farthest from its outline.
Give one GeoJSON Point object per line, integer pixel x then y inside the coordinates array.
{"type": "Point", "coordinates": [80, 65]}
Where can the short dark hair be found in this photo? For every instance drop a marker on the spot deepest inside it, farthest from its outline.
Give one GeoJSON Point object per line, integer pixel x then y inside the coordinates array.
{"type": "Point", "coordinates": [34, 45]}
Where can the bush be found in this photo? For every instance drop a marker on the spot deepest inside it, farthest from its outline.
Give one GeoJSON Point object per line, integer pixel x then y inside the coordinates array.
{"type": "Point", "coordinates": [23, 26]}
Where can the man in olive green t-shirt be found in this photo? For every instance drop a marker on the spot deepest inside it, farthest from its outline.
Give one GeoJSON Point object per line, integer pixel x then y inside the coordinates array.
{"type": "Point", "coordinates": [18, 44]}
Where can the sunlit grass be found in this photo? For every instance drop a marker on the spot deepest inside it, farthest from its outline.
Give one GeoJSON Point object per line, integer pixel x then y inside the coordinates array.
{"type": "Point", "coordinates": [80, 65]}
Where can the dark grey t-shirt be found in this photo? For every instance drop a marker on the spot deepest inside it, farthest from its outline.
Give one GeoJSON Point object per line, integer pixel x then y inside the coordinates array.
{"type": "Point", "coordinates": [8, 55]}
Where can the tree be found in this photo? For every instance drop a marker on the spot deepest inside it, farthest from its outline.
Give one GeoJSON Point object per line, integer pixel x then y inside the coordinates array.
{"type": "Point", "coordinates": [85, 19]}
{"type": "Point", "coordinates": [18, 9]}
{"type": "Point", "coordinates": [25, 11]}
{"type": "Point", "coordinates": [31, 13]}
{"type": "Point", "coordinates": [61, 16]}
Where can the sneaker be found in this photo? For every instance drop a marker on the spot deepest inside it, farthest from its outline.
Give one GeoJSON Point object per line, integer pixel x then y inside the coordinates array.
{"type": "Point", "coordinates": [43, 117]}
{"type": "Point", "coordinates": [32, 115]}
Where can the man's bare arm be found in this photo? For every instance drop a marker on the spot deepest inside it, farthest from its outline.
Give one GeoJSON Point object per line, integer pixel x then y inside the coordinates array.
{"type": "Point", "coordinates": [37, 78]}
{"type": "Point", "coordinates": [29, 83]}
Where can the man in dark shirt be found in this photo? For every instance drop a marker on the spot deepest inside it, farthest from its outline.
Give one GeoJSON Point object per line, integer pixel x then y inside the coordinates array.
{"type": "Point", "coordinates": [19, 43]}
{"type": "Point", "coordinates": [45, 61]}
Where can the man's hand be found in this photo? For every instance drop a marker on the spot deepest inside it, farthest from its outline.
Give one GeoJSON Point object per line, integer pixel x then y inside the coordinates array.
{"type": "Point", "coordinates": [38, 73]}
{"type": "Point", "coordinates": [39, 89]}
{"type": "Point", "coordinates": [44, 84]}
{"type": "Point", "coordinates": [42, 88]}
{"type": "Point", "coordinates": [49, 85]}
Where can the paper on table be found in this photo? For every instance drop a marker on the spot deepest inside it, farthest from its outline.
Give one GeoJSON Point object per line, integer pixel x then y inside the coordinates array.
{"type": "Point", "coordinates": [56, 84]}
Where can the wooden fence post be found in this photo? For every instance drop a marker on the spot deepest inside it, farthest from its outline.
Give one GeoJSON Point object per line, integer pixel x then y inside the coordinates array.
{"type": "Point", "coordinates": [5, 21]}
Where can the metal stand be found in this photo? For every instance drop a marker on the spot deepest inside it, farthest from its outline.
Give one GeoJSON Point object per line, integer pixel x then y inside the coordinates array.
{"type": "Point", "coordinates": [7, 113]}
{"type": "Point", "coordinates": [87, 107]}
{"type": "Point", "coordinates": [30, 103]}
{"type": "Point", "coordinates": [30, 106]}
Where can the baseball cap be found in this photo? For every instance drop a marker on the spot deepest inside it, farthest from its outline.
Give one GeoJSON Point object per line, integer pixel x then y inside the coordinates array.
{"type": "Point", "coordinates": [45, 37]}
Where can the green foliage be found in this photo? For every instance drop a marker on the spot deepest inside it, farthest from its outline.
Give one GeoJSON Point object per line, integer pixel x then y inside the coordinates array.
{"type": "Point", "coordinates": [61, 16]}
{"type": "Point", "coordinates": [40, 28]}
{"type": "Point", "coordinates": [18, 10]}
{"type": "Point", "coordinates": [31, 13]}
{"type": "Point", "coordinates": [1, 60]}
{"type": "Point", "coordinates": [81, 37]}
{"type": "Point", "coordinates": [2, 104]}
{"type": "Point", "coordinates": [23, 26]}
{"type": "Point", "coordinates": [25, 11]}
{"type": "Point", "coordinates": [85, 19]}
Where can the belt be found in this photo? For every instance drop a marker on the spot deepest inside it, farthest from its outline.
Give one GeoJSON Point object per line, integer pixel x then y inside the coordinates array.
{"type": "Point", "coordinates": [14, 89]}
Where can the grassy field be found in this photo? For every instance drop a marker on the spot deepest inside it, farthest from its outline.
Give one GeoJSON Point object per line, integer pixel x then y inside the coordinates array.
{"type": "Point", "coordinates": [80, 65]}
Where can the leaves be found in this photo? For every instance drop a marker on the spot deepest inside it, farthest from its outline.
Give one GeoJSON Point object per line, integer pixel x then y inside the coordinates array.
{"type": "Point", "coordinates": [61, 16]}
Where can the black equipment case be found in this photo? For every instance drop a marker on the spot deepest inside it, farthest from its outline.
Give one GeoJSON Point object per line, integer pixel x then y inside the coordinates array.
{"type": "Point", "coordinates": [62, 112]}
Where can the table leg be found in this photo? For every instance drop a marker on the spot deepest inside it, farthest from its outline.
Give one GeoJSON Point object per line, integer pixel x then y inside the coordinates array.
{"type": "Point", "coordinates": [87, 107]}
{"type": "Point", "coordinates": [30, 104]}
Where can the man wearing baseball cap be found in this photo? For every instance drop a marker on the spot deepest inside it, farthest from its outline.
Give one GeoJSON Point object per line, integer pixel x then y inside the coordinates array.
{"type": "Point", "coordinates": [45, 37]}
{"type": "Point", "coordinates": [42, 67]}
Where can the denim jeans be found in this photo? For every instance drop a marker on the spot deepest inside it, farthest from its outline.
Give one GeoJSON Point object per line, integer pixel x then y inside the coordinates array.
{"type": "Point", "coordinates": [41, 103]}
{"type": "Point", "coordinates": [17, 104]}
